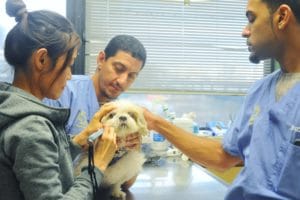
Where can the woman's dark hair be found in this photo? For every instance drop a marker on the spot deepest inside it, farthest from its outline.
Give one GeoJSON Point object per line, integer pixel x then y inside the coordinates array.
{"type": "Point", "coordinates": [293, 4]}
{"type": "Point", "coordinates": [38, 29]}
{"type": "Point", "coordinates": [128, 44]}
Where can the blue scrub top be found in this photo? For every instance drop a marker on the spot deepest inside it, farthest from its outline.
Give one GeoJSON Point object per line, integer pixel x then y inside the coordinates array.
{"type": "Point", "coordinates": [6, 72]}
{"type": "Point", "coordinates": [78, 95]}
{"type": "Point", "coordinates": [263, 136]}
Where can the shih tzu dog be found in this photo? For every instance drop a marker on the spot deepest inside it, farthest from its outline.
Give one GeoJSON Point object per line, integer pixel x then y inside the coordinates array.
{"type": "Point", "coordinates": [126, 118]}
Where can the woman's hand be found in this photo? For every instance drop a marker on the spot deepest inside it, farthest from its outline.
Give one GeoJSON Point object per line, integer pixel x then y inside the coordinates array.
{"type": "Point", "coordinates": [93, 126]}
{"type": "Point", "coordinates": [105, 148]}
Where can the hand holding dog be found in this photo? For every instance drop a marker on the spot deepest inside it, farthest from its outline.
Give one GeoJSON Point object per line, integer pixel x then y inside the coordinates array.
{"type": "Point", "coordinates": [150, 118]}
{"type": "Point", "coordinates": [105, 149]}
{"type": "Point", "coordinates": [93, 126]}
{"type": "Point", "coordinates": [133, 141]}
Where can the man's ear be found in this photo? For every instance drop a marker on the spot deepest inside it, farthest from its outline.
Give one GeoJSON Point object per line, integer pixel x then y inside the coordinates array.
{"type": "Point", "coordinates": [284, 16]}
{"type": "Point", "coordinates": [100, 59]}
{"type": "Point", "coordinates": [41, 59]}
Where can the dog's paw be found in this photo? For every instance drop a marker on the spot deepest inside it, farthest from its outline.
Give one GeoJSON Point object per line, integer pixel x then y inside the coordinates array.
{"type": "Point", "coordinates": [118, 194]}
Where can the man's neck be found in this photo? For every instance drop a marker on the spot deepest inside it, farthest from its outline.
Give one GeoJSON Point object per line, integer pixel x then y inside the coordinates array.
{"type": "Point", "coordinates": [96, 86]}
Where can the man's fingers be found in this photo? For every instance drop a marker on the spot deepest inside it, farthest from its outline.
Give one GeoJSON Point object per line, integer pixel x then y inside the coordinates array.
{"type": "Point", "coordinates": [104, 110]}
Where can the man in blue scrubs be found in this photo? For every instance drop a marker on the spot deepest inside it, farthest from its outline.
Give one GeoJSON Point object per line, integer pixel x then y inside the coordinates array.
{"type": "Point", "coordinates": [117, 68]}
{"type": "Point", "coordinates": [265, 136]}
{"type": "Point", "coordinates": [6, 71]}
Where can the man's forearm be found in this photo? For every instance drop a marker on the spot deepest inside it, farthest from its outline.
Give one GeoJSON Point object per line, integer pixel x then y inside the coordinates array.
{"type": "Point", "coordinates": [202, 150]}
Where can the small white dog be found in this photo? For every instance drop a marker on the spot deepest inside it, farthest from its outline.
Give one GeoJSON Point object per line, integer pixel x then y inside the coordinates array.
{"type": "Point", "coordinates": [126, 118]}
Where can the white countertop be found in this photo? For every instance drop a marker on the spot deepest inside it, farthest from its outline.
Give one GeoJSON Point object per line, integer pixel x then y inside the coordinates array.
{"type": "Point", "coordinates": [175, 179]}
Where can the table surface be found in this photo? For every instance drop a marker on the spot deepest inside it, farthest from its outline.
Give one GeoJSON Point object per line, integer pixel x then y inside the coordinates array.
{"type": "Point", "coordinates": [174, 179]}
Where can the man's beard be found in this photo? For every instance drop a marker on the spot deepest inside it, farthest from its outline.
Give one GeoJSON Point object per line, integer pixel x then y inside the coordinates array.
{"type": "Point", "coordinates": [254, 58]}
{"type": "Point", "coordinates": [105, 98]}
{"type": "Point", "coordinates": [108, 96]}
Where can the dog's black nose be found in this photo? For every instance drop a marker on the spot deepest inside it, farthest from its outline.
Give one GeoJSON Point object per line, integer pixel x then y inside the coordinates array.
{"type": "Point", "coordinates": [122, 118]}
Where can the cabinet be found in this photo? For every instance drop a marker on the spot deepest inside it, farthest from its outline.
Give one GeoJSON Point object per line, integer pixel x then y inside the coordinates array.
{"type": "Point", "coordinates": [228, 176]}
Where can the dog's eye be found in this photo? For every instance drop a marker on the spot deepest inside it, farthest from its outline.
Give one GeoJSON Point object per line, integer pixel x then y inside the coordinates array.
{"type": "Point", "coordinates": [111, 115]}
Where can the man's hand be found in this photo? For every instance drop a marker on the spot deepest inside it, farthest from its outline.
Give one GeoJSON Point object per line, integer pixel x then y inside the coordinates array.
{"type": "Point", "coordinates": [131, 142]}
{"type": "Point", "coordinates": [93, 126]}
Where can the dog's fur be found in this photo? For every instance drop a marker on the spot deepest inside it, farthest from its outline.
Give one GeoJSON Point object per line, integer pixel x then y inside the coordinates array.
{"type": "Point", "coordinates": [127, 118]}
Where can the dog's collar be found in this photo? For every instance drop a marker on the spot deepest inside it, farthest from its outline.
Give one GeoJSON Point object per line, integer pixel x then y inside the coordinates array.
{"type": "Point", "coordinates": [118, 155]}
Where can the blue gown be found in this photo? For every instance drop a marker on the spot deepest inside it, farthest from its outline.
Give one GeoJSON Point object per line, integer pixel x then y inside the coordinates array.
{"type": "Point", "coordinates": [78, 95]}
{"type": "Point", "coordinates": [264, 136]}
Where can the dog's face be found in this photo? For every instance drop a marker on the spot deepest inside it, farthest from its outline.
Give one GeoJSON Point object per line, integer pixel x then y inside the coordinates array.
{"type": "Point", "coordinates": [126, 118]}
